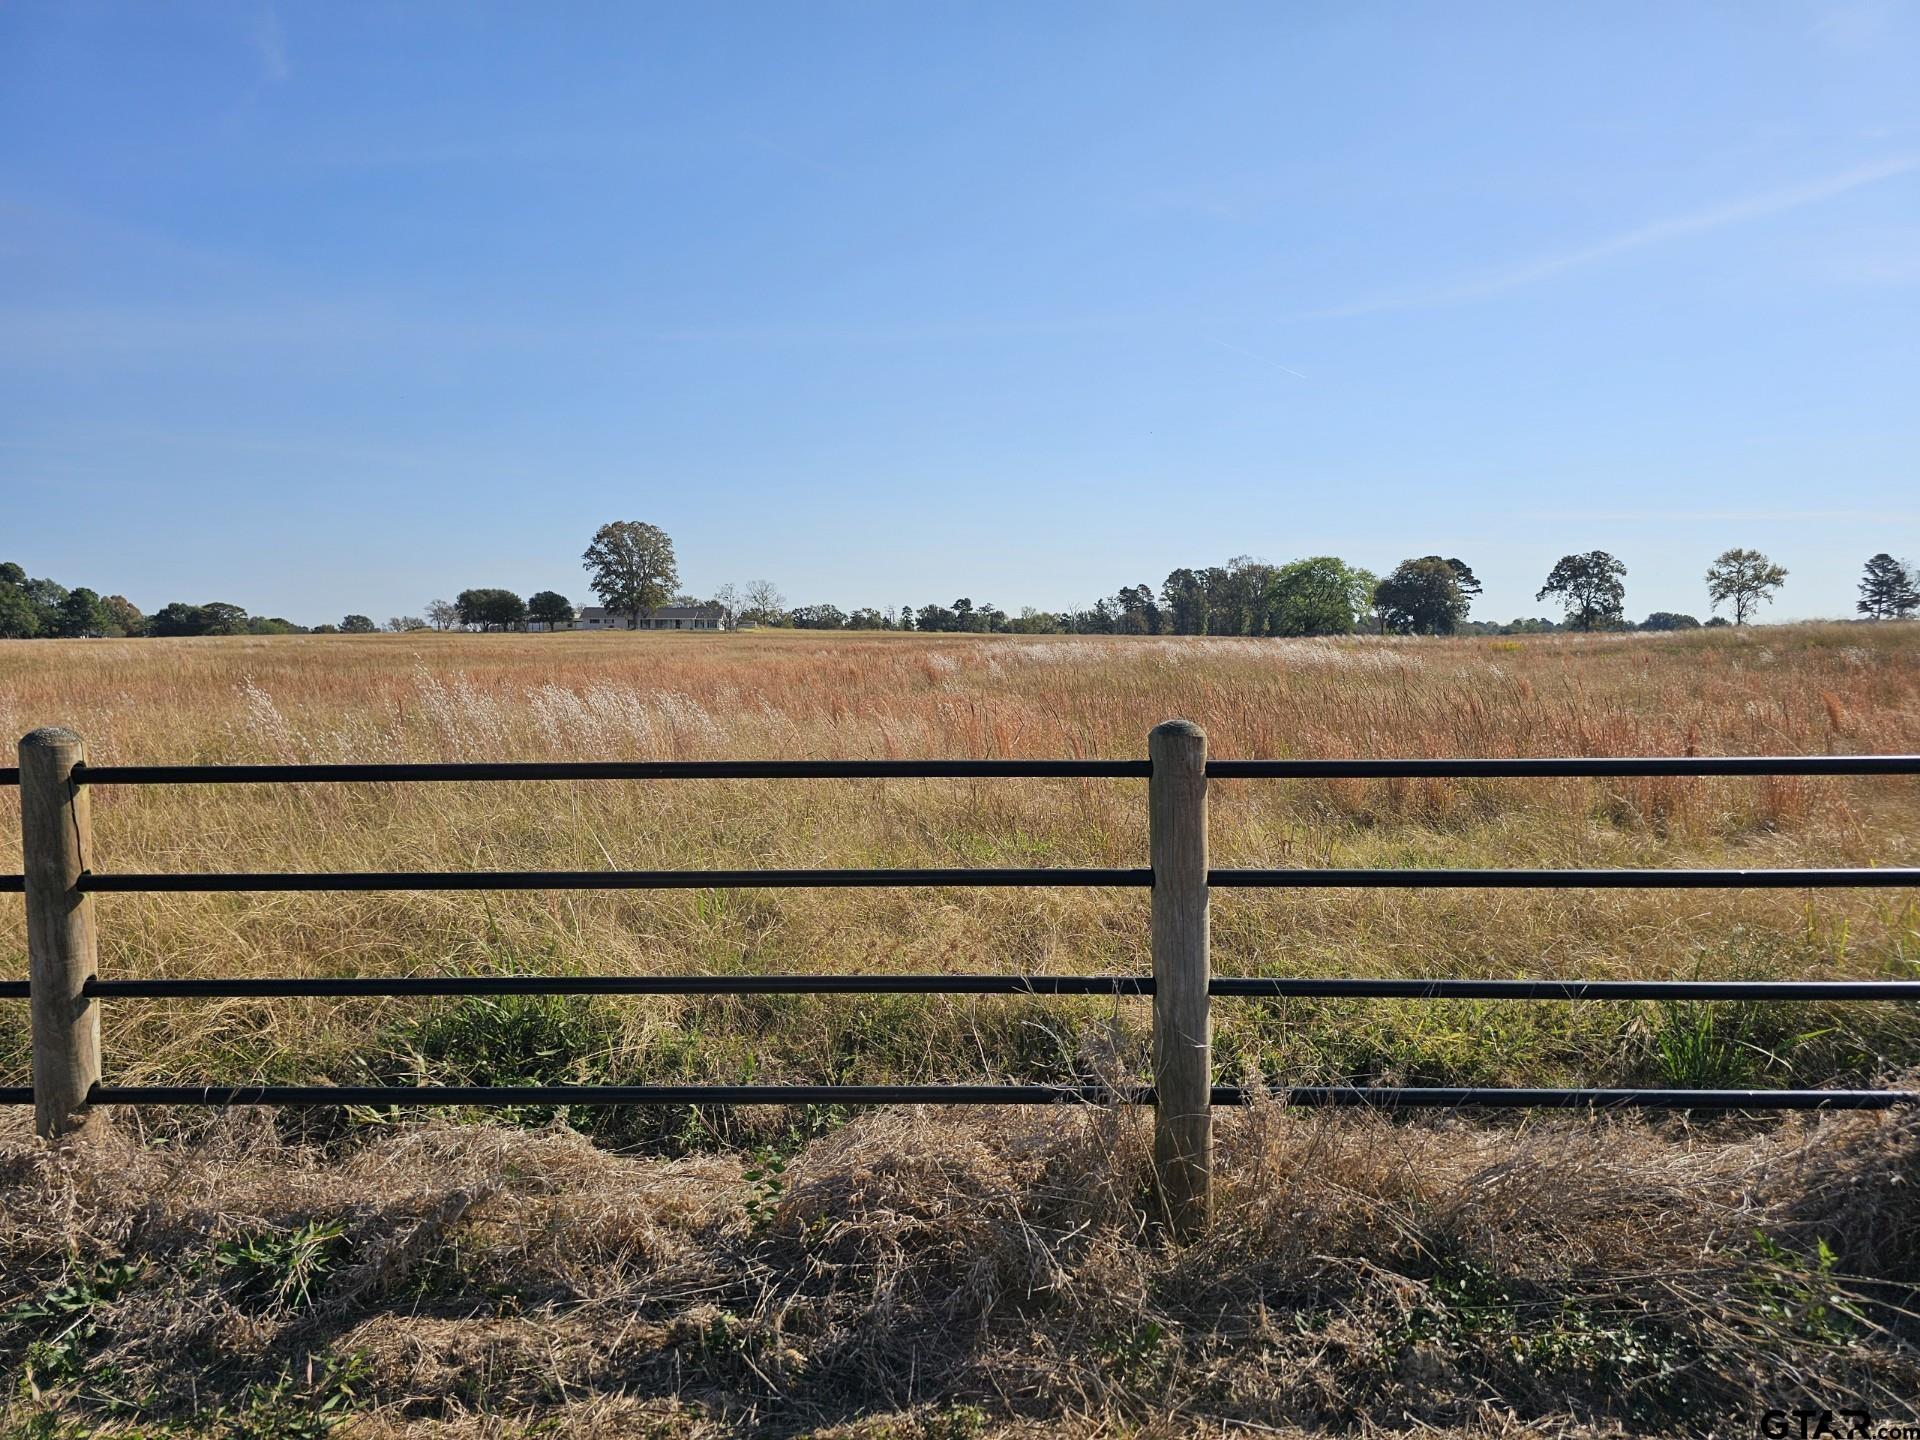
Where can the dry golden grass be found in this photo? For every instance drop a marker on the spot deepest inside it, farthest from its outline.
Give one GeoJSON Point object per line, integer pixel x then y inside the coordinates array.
{"type": "Point", "coordinates": [427, 697]}
{"type": "Point", "coordinates": [940, 1276]}
{"type": "Point", "coordinates": [928, 1275]}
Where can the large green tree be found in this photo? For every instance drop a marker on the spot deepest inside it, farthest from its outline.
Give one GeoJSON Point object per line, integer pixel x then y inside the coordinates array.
{"type": "Point", "coordinates": [1322, 595]}
{"type": "Point", "coordinates": [216, 617]}
{"type": "Point", "coordinates": [550, 608]}
{"type": "Point", "coordinates": [83, 613]}
{"type": "Point", "coordinates": [222, 618]}
{"type": "Point", "coordinates": [1421, 597]}
{"type": "Point", "coordinates": [176, 618]}
{"type": "Point", "coordinates": [19, 620]}
{"type": "Point", "coordinates": [630, 566]}
{"type": "Point", "coordinates": [1590, 588]}
{"type": "Point", "coordinates": [1743, 579]}
{"type": "Point", "coordinates": [1238, 594]}
{"type": "Point", "coordinates": [1185, 595]}
{"type": "Point", "coordinates": [1462, 573]}
{"type": "Point", "coordinates": [49, 595]}
{"type": "Point", "coordinates": [1889, 589]}
{"type": "Point", "coordinates": [490, 607]}
{"type": "Point", "coordinates": [1138, 614]}
{"type": "Point", "coordinates": [30, 607]}
{"type": "Point", "coordinates": [123, 616]}
{"type": "Point", "coordinates": [19, 616]}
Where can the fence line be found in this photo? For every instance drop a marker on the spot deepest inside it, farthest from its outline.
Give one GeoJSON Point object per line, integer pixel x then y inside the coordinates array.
{"type": "Point", "coordinates": [1517, 767]}
{"type": "Point", "coordinates": [1121, 986]}
{"type": "Point", "coordinates": [1376, 1097]}
{"type": "Point", "coordinates": [65, 990]}
{"type": "Point", "coordinates": [1143, 878]}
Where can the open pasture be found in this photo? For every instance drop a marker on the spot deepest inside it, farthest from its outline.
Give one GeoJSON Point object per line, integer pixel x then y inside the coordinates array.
{"type": "Point", "coordinates": [929, 1274]}
{"type": "Point", "coordinates": [793, 695]}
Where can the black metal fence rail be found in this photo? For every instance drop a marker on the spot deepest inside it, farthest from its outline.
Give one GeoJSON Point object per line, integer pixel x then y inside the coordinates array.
{"type": "Point", "coordinates": [1515, 767]}
{"type": "Point", "coordinates": [1373, 1097]}
{"type": "Point", "coordinates": [607, 879]}
{"type": "Point", "coordinates": [89, 989]}
{"type": "Point", "coordinates": [616, 770]}
{"type": "Point", "coordinates": [1255, 987]}
{"type": "Point", "coordinates": [1408, 879]}
{"type": "Point", "coordinates": [1441, 879]}
{"type": "Point", "coordinates": [1564, 767]}
{"type": "Point", "coordinates": [1382, 1097]}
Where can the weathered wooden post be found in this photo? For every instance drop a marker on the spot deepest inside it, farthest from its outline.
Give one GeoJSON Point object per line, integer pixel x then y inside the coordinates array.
{"type": "Point", "coordinates": [56, 838]}
{"type": "Point", "coordinates": [1182, 1022]}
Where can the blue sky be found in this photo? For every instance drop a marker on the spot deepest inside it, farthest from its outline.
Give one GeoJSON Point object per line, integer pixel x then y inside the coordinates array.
{"type": "Point", "coordinates": [333, 307]}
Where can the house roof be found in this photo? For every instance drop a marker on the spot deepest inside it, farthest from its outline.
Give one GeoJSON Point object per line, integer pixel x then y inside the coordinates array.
{"type": "Point", "coordinates": [660, 612]}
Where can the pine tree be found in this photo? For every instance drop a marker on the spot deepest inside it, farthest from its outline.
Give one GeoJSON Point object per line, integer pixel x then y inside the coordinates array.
{"type": "Point", "coordinates": [1889, 589]}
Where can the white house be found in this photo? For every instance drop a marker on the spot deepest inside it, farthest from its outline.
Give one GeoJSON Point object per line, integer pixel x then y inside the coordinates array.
{"type": "Point", "coordinates": [664, 617]}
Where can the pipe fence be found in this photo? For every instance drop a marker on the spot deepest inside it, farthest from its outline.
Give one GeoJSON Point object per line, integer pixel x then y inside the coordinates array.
{"type": "Point", "coordinates": [65, 990]}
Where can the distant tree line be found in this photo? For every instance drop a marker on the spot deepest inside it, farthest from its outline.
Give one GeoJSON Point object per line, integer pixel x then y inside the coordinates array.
{"type": "Point", "coordinates": [632, 569]}
{"type": "Point", "coordinates": [1323, 595]}
{"type": "Point", "coordinates": [46, 609]}
{"type": "Point", "coordinates": [31, 607]}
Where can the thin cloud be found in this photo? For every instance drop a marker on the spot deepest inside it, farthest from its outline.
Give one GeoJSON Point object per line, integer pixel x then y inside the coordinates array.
{"type": "Point", "coordinates": [1658, 232]}
{"type": "Point", "coordinates": [270, 45]}
{"type": "Point", "coordinates": [1263, 359]}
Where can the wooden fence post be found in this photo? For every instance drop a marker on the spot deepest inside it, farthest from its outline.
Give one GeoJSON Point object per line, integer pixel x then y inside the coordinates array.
{"type": "Point", "coordinates": [56, 840]}
{"type": "Point", "coordinates": [1182, 1021]}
